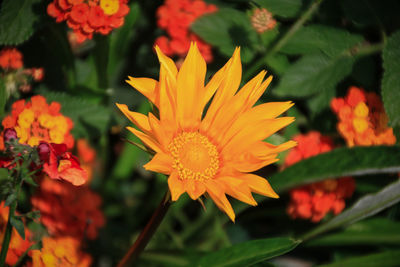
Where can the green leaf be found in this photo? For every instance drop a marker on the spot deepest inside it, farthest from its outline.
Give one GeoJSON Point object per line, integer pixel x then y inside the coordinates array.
{"type": "Point", "coordinates": [391, 79]}
{"type": "Point", "coordinates": [227, 29]}
{"type": "Point", "coordinates": [249, 253]}
{"type": "Point", "coordinates": [17, 21]}
{"type": "Point", "coordinates": [10, 199]}
{"type": "Point", "coordinates": [376, 231]}
{"type": "Point", "coordinates": [281, 8]}
{"type": "Point", "coordinates": [387, 259]}
{"type": "Point", "coordinates": [279, 63]}
{"type": "Point", "coordinates": [29, 180]}
{"type": "Point", "coordinates": [3, 174]}
{"type": "Point", "coordinates": [365, 207]}
{"type": "Point", "coordinates": [321, 101]}
{"type": "Point", "coordinates": [87, 116]}
{"type": "Point", "coordinates": [313, 73]}
{"type": "Point", "coordinates": [338, 163]}
{"type": "Point", "coordinates": [319, 38]}
{"type": "Point", "coordinates": [17, 223]}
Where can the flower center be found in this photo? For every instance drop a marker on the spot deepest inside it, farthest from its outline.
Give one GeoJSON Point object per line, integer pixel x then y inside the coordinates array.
{"type": "Point", "coordinates": [195, 157]}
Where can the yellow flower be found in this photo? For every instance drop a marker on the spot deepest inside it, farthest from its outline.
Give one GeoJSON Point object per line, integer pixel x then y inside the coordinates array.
{"type": "Point", "coordinates": [215, 152]}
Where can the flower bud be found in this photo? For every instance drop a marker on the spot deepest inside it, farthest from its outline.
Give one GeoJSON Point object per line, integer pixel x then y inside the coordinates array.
{"type": "Point", "coordinates": [44, 151]}
{"type": "Point", "coordinates": [10, 134]}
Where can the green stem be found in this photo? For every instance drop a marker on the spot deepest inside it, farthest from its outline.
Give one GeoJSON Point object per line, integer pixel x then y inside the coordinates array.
{"type": "Point", "coordinates": [366, 50]}
{"type": "Point", "coordinates": [7, 235]}
{"type": "Point", "coordinates": [137, 248]}
{"type": "Point", "coordinates": [295, 27]}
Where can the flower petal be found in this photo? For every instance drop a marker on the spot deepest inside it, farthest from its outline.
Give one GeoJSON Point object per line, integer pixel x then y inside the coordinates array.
{"type": "Point", "coordinates": [194, 188]}
{"type": "Point", "coordinates": [146, 139]}
{"type": "Point", "coordinates": [176, 186]}
{"type": "Point", "coordinates": [258, 185]}
{"type": "Point", "coordinates": [238, 189]}
{"type": "Point", "coordinates": [216, 192]}
{"type": "Point", "coordinates": [138, 119]}
{"type": "Point", "coordinates": [148, 87]}
{"type": "Point", "coordinates": [190, 89]}
{"type": "Point", "coordinates": [161, 163]}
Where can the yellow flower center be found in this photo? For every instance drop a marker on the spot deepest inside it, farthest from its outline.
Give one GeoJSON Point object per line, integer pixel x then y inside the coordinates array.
{"type": "Point", "coordinates": [361, 110]}
{"type": "Point", "coordinates": [110, 7]}
{"type": "Point", "coordinates": [195, 157]}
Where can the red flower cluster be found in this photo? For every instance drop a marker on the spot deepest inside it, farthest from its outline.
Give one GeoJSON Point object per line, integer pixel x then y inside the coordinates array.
{"type": "Point", "coordinates": [314, 201]}
{"type": "Point", "coordinates": [87, 157]}
{"type": "Point", "coordinates": [67, 210]}
{"type": "Point", "coordinates": [86, 17]}
{"type": "Point", "coordinates": [18, 246]}
{"type": "Point", "coordinates": [175, 16]}
{"type": "Point", "coordinates": [362, 119]}
{"type": "Point", "coordinates": [11, 58]}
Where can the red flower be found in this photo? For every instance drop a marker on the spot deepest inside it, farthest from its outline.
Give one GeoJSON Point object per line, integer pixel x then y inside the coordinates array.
{"type": "Point", "coordinates": [60, 164]}
{"type": "Point", "coordinates": [10, 58]}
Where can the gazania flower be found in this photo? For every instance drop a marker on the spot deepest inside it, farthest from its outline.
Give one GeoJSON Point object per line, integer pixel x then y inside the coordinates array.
{"type": "Point", "coordinates": [215, 152]}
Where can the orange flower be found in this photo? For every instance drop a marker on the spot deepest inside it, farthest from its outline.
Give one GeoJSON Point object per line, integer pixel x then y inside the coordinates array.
{"type": "Point", "coordinates": [81, 218]}
{"type": "Point", "coordinates": [10, 58]}
{"type": "Point", "coordinates": [362, 119]}
{"type": "Point", "coordinates": [88, 17]}
{"type": "Point", "coordinates": [37, 121]}
{"type": "Point", "coordinates": [214, 153]}
{"type": "Point", "coordinates": [17, 246]}
{"type": "Point", "coordinates": [60, 164]}
{"type": "Point", "coordinates": [87, 156]}
{"type": "Point", "coordinates": [262, 20]}
{"type": "Point", "coordinates": [175, 17]}
{"type": "Point", "coordinates": [60, 252]}
{"type": "Point", "coordinates": [314, 201]}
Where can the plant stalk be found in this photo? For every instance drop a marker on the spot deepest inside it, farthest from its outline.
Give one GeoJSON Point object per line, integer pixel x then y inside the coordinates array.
{"type": "Point", "coordinates": [137, 248]}
{"type": "Point", "coordinates": [295, 27]}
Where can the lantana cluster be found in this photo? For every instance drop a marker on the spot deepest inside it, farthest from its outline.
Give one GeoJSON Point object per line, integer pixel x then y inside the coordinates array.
{"type": "Point", "coordinates": [12, 71]}
{"type": "Point", "coordinates": [262, 20]}
{"type": "Point", "coordinates": [36, 121]}
{"type": "Point", "coordinates": [314, 201]}
{"type": "Point", "coordinates": [362, 119]}
{"type": "Point", "coordinates": [86, 17]}
{"type": "Point", "coordinates": [41, 127]}
{"type": "Point", "coordinates": [175, 17]}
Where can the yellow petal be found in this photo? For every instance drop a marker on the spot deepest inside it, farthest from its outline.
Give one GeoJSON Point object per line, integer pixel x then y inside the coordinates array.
{"type": "Point", "coordinates": [161, 163]}
{"type": "Point", "coordinates": [167, 63]}
{"type": "Point", "coordinates": [146, 86]}
{"type": "Point", "coordinates": [146, 139]}
{"type": "Point", "coordinates": [190, 89]}
{"type": "Point", "coordinates": [215, 190]}
{"type": "Point", "coordinates": [258, 185]}
{"type": "Point", "coordinates": [175, 186]}
{"type": "Point", "coordinates": [194, 188]}
{"type": "Point", "coordinates": [138, 119]}
{"type": "Point", "coordinates": [238, 189]}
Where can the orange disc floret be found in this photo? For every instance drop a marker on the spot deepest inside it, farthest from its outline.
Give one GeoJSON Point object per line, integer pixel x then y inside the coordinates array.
{"type": "Point", "coordinates": [82, 217]}
{"type": "Point", "coordinates": [175, 17]}
{"type": "Point", "coordinates": [88, 17]}
{"type": "Point", "coordinates": [10, 58]}
{"type": "Point", "coordinates": [362, 119]}
{"type": "Point", "coordinates": [262, 20]}
{"type": "Point", "coordinates": [62, 251]}
{"type": "Point", "coordinates": [37, 121]}
{"type": "Point", "coordinates": [17, 246]}
{"type": "Point", "coordinates": [314, 201]}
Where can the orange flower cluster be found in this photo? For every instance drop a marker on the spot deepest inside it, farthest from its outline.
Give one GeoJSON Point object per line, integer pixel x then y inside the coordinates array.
{"type": "Point", "coordinates": [314, 201]}
{"type": "Point", "coordinates": [86, 17]}
{"type": "Point", "coordinates": [11, 58]}
{"type": "Point", "coordinates": [362, 119]}
{"type": "Point", "coordinates": [175, 17]}
{"type": "Point", "coordinates": [82, 216]}
{"type": "Point", "coordinates": [63, 251]}
{"type": "Point", "coordinates": [37, 121]}
{"type": "Point", "coordinates": [17, 245]}
{"type": "Point", "coordinates": [262, 20]}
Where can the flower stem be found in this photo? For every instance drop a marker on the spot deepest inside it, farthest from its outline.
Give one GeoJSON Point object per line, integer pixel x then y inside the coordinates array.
{"type": "Point", "coordinates": [282, 41]}
{"type": "Point", "coordinates": [149, 230]}
{"type": "Point", "coordinates": [7, 235]}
